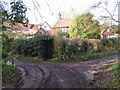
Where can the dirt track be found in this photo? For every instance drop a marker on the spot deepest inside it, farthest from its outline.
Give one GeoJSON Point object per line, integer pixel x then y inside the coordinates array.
{"type": "Point", "coordinates": [47, 74]}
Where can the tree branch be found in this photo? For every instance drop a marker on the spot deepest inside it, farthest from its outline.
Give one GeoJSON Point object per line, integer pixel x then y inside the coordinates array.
{"type": "Point", "coordinates": [37, 10]}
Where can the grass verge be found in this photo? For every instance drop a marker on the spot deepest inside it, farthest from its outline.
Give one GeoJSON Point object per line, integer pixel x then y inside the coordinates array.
{"type": "Point", "coordinates": [74, 58]}
{"type": "Point", "coordinates": [109, 77]}
{"type": "Point", "coordinates": [25, 57]}
{"type": "Point", "coordinates": [96, 55]}
{"type": "Point", "coordinates": [87, 56]}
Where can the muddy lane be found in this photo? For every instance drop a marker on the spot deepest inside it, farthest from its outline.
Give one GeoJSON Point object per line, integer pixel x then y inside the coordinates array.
{"type": "Point", "coordinates": [47, 74]}
{"type": "Point", "coordinates": [50, 75]}
{"type": "Point", "coordinates": [65, 77]}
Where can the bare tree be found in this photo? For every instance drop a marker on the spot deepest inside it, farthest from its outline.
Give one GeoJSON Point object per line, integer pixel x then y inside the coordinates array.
{"type": "Point", "coordinates": [104, 4]}
{"type": "Point", "coordinates": [37, 9]}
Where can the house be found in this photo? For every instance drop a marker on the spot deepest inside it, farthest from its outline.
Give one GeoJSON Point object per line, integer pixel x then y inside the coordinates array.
{"type": "Point", "coordinates": [28, 28]}
{"type": "Point", "coordinates": [62, 23]}
{"type": "Point", "coordinates": [46, 26]}
{"type": "Point", "coordinates": [41, 31]}
{"type": "Point", "coordinates": [16, 30]}
{"type": "Point", "coordinates": [108, 33]}
{"type": "Point", "coordinates": [53, 31]}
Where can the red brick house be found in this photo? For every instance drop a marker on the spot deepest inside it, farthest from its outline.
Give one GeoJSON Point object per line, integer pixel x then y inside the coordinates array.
{"type": "Point", "coordinates": [52, 32]}
{"type": "Point", "coordinates": [108, 32]}
{"type": "Point", "coordinates": [62, 23]}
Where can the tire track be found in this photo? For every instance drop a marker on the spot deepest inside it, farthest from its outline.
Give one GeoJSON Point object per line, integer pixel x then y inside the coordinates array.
{"type": "Point", "coordinates": [37, 74]}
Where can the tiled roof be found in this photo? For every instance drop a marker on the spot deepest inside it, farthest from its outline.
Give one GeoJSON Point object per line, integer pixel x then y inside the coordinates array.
{"type": "Point", "coordinates": [35, 28]}
{"type": "Point", "coordinates": [53, 31]}
{"type": "Point", "coordinates": [108, 28]}
{"type": "Point", "coordinates": [63, 23]}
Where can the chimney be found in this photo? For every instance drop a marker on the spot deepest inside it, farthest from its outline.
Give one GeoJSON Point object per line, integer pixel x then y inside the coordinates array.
{"type": "Point", "coordinates": [59, 16]}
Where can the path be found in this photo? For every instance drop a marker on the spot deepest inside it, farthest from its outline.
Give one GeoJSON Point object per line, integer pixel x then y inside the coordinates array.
{"type": "Point", "coordinates": [47, 74]}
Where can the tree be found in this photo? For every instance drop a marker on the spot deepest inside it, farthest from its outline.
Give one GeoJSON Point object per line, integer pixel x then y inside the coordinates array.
{"type": "Point", "coordinates": [18, 10]}
{"type": "Point", "coordinates": [105, 4]}
{"type": "Point", "coordinates": [84, 26]}
{"type": "Point", "coordinates": [15, 14]}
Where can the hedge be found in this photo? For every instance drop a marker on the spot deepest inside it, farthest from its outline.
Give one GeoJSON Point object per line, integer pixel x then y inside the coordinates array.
{"type": "Point", "coordinates": [45, 46]}
{"type": "Point", "coordinates": [70, 48]}
{"type": "Point", "coordinates": [37, 46]}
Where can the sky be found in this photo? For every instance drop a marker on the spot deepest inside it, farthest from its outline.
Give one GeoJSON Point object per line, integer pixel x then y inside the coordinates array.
{"type": "Point", "coordinates": [49, 9]}
{"type": "Point", "coordinates": [50, 12]}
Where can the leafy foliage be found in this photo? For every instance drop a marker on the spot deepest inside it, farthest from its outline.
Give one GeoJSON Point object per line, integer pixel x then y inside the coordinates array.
{"type": "Point", "coordinates": [109, 44]}
{"type": "Point", "coordinates": [68, 50]}
{"type": "Point", "coordinates": [18, 10]}
{"type": "Point", "coordinates": [84, 26]}
{"type": "Point", "coordinates": [6, 45]}
{"type": "Point", "coordinates": [33, 46]}
{"type": "Point", "coordinates": [8, 72]}
{"type": "Point", "coordinates": [16, 13]}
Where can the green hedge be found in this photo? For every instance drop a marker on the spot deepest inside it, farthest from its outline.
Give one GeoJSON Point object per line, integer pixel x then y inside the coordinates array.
{"type": "Point", "coordinates": [6, 45]}
{"type": "Point", "coordinates": [42, 46]}
{"type": "Point", "coordinates": [84, 47]}
{"type": "Point", "coordinates": [109, 44]}
{"type": "Point", "coordinates": [37, 46]}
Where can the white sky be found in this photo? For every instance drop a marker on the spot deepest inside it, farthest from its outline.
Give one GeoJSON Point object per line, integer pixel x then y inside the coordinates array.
{"type": "Point", "coordinates": [63, 6]}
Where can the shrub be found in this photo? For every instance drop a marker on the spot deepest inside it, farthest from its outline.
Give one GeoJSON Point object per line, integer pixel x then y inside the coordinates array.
{"type": "Point", "coordinates": [46, 47]}
{"type": "Point", "coordinates": [37, 46]}
{"type": "Point", "coordinates": [76, 49]}
{"type": "Point", "coordinates": [6, 45]}
{"type": "Point", "coordinates": [67, 50]}
{"type": "Point", "coordinates": [8, 72]}
{"type": "Point", "coordinates": [109, 44]}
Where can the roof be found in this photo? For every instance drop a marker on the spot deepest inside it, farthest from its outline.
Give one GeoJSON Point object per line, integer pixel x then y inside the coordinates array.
{"type": "Point", "coordinates": [41, 31]}
{"type": "Point", "coordinates": [35, 27]}
{"type": "Point", "coordinates": [53, 31]}
{"type": "Point", "coordinates": [107, 29]}
{"type": "Point", "coordinates": [46, 25]}
{"type": "Point", "coordinates": [63, 23]}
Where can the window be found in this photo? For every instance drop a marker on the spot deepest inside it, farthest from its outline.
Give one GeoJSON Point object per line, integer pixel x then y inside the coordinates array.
{"type": "Point", "coordinates": [108, 30]}
{"type": "Point", "coordinates": [64, 29]}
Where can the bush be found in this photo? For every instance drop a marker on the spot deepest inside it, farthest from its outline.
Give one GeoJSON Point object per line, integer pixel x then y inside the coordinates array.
{"type": "Point", "coordinates": [8, 72]}
{"type": "Point", "coordinates": [71, 49]}
{"type": "Point", "coordinates": [37, 46]}
{"type": "Point", "coordinates": [6, 45]}
{"type": "Point", "coordinates": [63, 49]}
{"type": "Point", "coordinates": [66, 50]}
{"type": "Point", "coordinates": [109, 44]}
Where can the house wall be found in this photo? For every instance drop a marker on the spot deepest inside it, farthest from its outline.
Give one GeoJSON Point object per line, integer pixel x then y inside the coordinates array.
{"type": "Point", "coordinates": [107, 33]}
